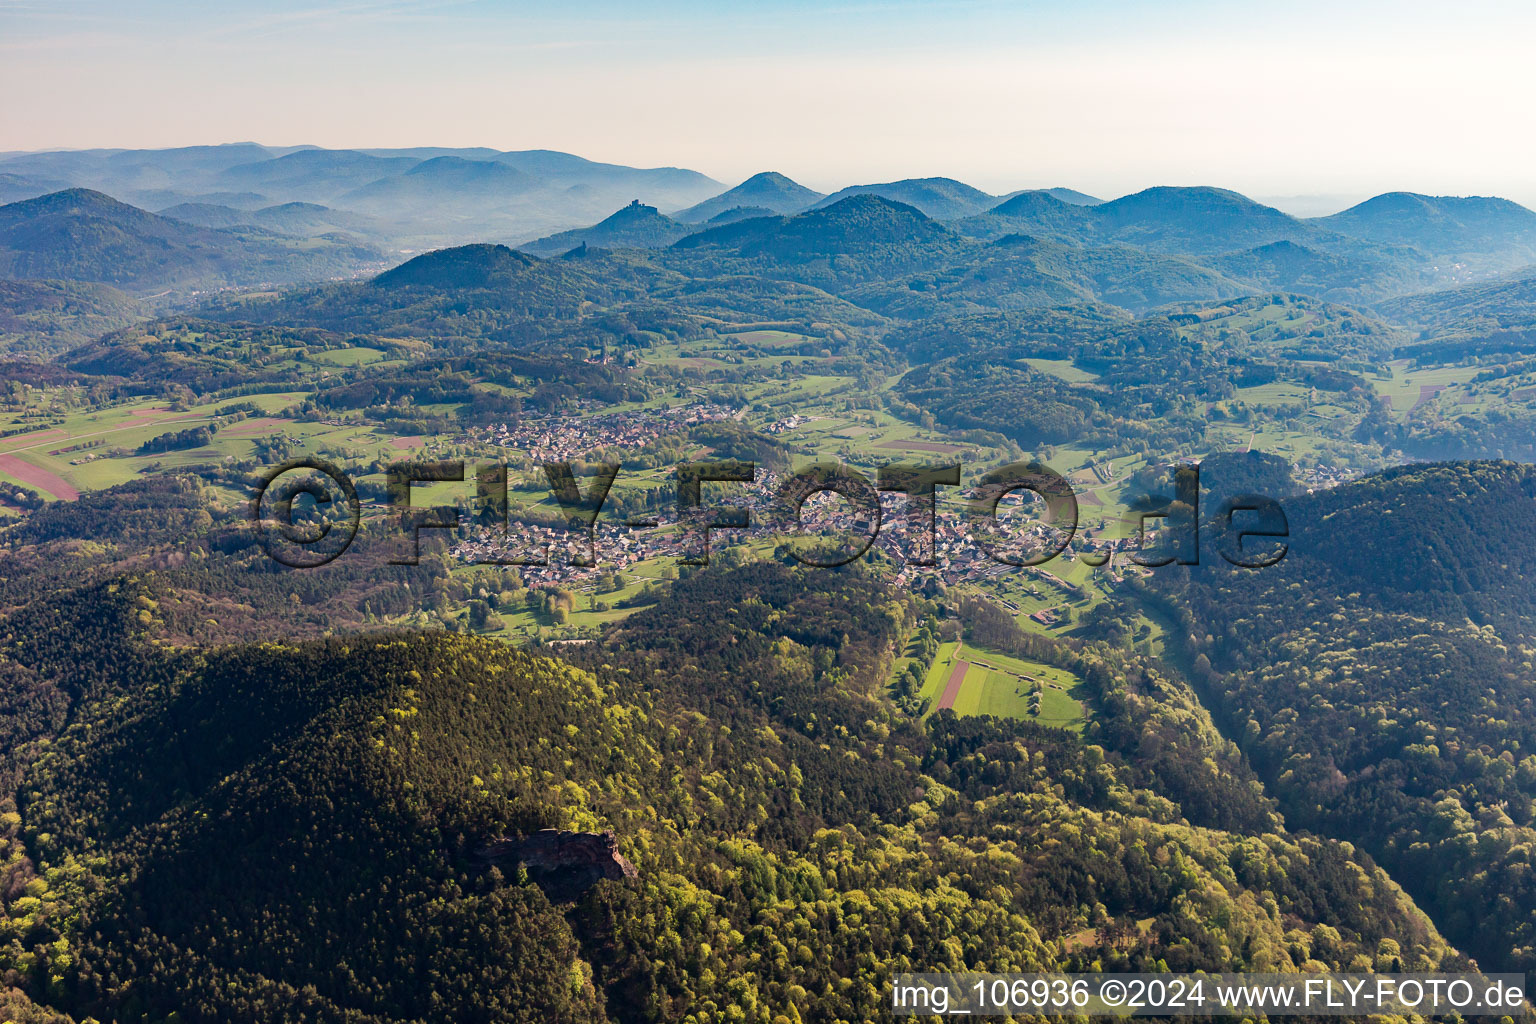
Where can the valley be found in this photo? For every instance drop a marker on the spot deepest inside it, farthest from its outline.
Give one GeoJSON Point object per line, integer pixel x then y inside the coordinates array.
{"type": "Point", "coordinates": [818, 777]}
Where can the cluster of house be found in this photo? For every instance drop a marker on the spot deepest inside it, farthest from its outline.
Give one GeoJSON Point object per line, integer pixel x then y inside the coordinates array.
{"type": "Point", "coordinates": [545, 555]}
{"type": "Point", "coordinates": [572, 558]}
{"type": "Point", "coordinates": [1321, 478]}
{"type": "Point", "coordinates": [787, 424]}
{"type": "Point", "coordinates": [567, 438]}
{"type": "Point", "coordinates": [960, 557]}
{"type": "Point", "coordinates": [549, 556]}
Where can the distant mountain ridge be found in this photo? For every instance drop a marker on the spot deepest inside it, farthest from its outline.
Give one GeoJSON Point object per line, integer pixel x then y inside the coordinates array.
{"type": "Point", "coordinates": [430, 197]}
{"type": "Point", "coordinates": [299, 219]}
{"type": "Point", "coordinates": [16, 187]}
{"type": "Point", "coordinates": [768, 190]}
{"type": "Point", "coordinates": [1035, 212]}
{"type": "Point", "coordinates": [568, 169]}
{"type": "Point", "coordinates": [420, 198]}
{"type": "Point", "coordinates": [1173, 219]}
{"type": "Point", "coordinates": [1467, 227]}
{"type": "Point", "coordinates": [261, 199]}
{"type": "Point", "coordinates": [856, 222]}
{"type": "Point", "coordinates": [1198, 218]}
{"type": "Point", "coordinates": [83, 235]}
{"type": "Point", "coordinates": [1072, 196]}
{"type": "Point", "coordinates": [136, 170]}
{"type": "Point", "coordinates": [939, 198]}
{"type": "Point", "coordinates": [316, 175]}
{"type": "Point", "coordinates": [635, 226]}
{"type": "Point", "coordinates": [464, 186]}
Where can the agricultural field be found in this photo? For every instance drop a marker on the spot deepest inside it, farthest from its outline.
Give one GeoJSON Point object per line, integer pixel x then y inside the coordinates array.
{"type": "Point", "coordinates": [975, 681]}
{"type": "Point", "coordinates": [355, 356]}
{"type": "Point", "coordinates": [84, 449]}
{"type": "Point", "coordinates": [1063, 368]}
{"type": "Point", "coordinates": [1276, 393]}
{"type": "Point", "coordinates": [1409, 388]}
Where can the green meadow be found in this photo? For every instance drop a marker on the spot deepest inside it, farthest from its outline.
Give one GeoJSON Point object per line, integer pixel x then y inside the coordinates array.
{"type": "Point", "coordinates": [1001, 685]}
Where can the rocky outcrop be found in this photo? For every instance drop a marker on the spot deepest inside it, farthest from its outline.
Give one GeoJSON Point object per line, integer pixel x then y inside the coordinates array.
{"type": "Point", "coordinates": [563, 864]}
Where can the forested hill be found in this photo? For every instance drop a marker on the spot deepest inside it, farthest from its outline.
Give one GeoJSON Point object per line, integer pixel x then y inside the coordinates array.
{"type": "Point", "coordinates": [295, 825]}
{"type": "Point", "coordinates": [943, 198]}
{"type": "Point", "coordinates": [1469, 227]}
{"type": "Point", "coordinates": [636, 226]}
{"type": "Point", "coordinates": [81, 235]}
{"type": "Point", "coordinates": [768, 191]}
{"type": "Point", "coordinates": [853, 224]}
{"type": "Point", "coordinates": [1380, 679]}
{"type": "Point", "coordinates": [463, 291]}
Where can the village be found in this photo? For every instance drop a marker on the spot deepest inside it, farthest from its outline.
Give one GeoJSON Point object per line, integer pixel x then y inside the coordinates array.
{"type": "Point", "coordinates": [552, 556]}
{"type": "Point", "coordinates": [568, 438]}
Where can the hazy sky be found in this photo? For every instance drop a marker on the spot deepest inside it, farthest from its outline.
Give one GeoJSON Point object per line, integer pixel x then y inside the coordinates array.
{"type": "Point", "coordinates": [1104, 95]}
